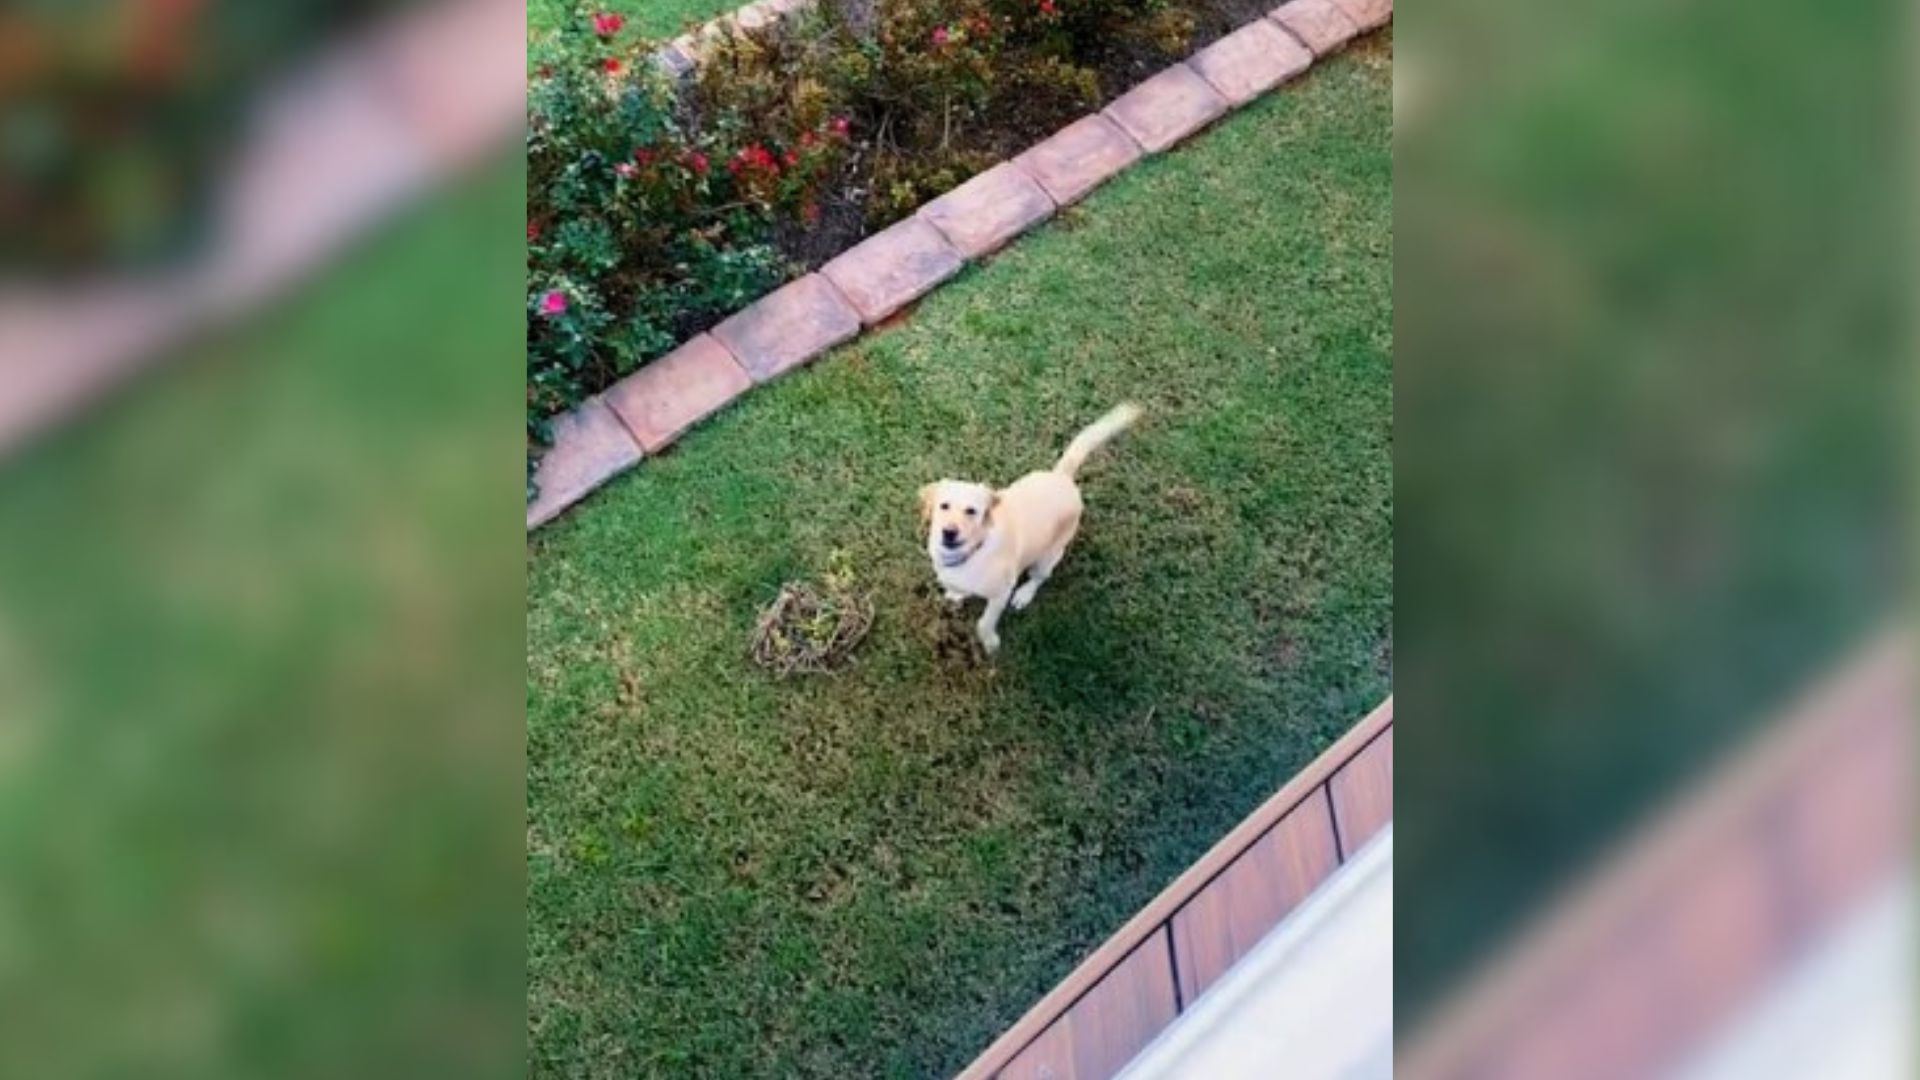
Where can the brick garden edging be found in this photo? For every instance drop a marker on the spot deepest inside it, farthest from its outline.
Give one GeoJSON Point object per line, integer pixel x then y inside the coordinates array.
{"type": "Point", "coordinates": [645, 412]}
{"type": "Point", "coordinates": [348, 136]}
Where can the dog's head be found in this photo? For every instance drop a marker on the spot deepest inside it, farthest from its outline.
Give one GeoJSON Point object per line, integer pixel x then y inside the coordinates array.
{"type": "Point", "coordinates": [958, 515]}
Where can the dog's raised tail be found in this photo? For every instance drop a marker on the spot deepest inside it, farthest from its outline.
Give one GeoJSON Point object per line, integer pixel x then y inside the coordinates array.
{"type": "Point", "coordinates": [1095, 436]}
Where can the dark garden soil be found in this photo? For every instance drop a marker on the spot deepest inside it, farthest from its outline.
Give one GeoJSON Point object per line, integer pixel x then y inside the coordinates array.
{"type": "Point", "coordinates": [846, 215]}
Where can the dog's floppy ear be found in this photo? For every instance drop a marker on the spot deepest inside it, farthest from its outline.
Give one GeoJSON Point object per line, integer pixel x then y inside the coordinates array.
{"type": "Point", "coordinates": [926, 501]}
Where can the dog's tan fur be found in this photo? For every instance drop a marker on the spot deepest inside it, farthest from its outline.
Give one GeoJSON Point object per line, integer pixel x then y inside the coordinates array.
{"type": "Point", "coordinates": [1022, 528]}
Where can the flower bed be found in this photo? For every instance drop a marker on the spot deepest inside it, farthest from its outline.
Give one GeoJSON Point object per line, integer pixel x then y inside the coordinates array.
{"type": "Point", "coordinates": [659, 205]}
{"type": "Point", "coordinates": [124, 117]}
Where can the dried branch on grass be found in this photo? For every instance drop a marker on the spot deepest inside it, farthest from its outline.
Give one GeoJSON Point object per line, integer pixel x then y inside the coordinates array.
{"type": "Point", "coordinates": [811, 629]}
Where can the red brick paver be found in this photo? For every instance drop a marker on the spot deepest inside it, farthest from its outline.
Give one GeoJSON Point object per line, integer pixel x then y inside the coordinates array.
{"type": "Point", "coordinates": [590, 446]}
{"type": "Point", "coordinates": [755, 16]}
{"type": "Point", "coordinates": [788, 327]}
{"type": "Point", "coordinates": [675, 58]}
{"type": "Point", "coordinates": [1079, 158]}
{"type": "Point", "coordinates": [894, 268]}
{"type": "Point", "coordinates": [1167, 108]}
{"type": "Point", "coordinates": [1251, 61]}
{"type": "Point", "coordinates": [680, 389]}
{"type": "Point", "coordinates": [442, 74]}
{"type": "Point", "coordinates": [1319, 23]}
{"type": "Point", "coordinates": [1368, 14]}
{"type": "Point", "coordinates": [989, 210]}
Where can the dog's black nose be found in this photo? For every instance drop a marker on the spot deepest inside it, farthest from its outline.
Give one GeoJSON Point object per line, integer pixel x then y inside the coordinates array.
{"type": "Point", "coordinates": [950, 537]}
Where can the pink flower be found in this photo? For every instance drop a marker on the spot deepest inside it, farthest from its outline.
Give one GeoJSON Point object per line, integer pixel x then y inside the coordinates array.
{"type": "Point", "coordinates": [627, 169]}
{"type": "Point", "coordinates": [791, 159]}
{"type": "Point", "coordinates": [940, 37]}
{"type": "Point", "coordinates": [840, 126]}
{"type": "Point", "coordinates": [607, 25]}
{"type": "Point", "coordinates": [1047, 7]}
{"type": "Point", "coordinates": [533, 231]}
{"type": "Point", "coordinates": [553, 304]}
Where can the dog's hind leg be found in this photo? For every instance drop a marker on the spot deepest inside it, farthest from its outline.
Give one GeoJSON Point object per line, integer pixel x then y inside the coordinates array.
{"type": "Point", "coordinates": [1038, 573]}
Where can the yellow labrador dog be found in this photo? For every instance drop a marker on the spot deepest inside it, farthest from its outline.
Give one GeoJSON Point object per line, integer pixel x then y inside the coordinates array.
{"type": "Point", "coordinates": [982, 540]}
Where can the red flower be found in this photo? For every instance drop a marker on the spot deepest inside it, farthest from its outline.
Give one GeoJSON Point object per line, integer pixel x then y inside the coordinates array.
{"type": "Point", "coordinates": [553, 304]}
{"type": "Point", "coordinates": [644, 156]}
{"type": "Point", "coordinates": [611, 66]}
{"type": "Point", "coordinates": [607, 25]}
{"type": "Point", "coordinates": [1048, 7]}
{"type": "Point", "coordinates": [940, 37]}
{"type": "Point", "coordinates": [808, 138]}
{"type": "Point", "coordinates": [791, 159]}
{"type": "Point", "coordinates": [756, 157]}
{"type": "Point", "coordinates": [533, 231]}
{"type": "Point", "coordinates": [840, 126]}
{"type": "Point", "coordinates": [698, 163]}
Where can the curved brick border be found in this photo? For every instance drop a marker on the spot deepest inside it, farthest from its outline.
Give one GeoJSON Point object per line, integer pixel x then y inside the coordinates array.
{"type": "Point", "coordinates": [349, 135]}
{"type": "Point", "coordinates": [891, 269]}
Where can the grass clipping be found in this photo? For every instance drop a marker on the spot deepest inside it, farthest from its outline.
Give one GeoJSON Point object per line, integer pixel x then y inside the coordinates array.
{"type": "Point", "coordinates": [812, 629]}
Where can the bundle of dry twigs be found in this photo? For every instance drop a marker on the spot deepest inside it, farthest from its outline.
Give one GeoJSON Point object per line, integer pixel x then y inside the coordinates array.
{"type": "Point", "coordinates": [810, 629]}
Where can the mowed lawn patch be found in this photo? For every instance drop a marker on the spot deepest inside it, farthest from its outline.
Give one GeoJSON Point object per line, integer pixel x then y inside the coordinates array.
{"type": "Point", "coordinates": [657, 18]}
{"type": "Point", "coordinates": [872, 873]}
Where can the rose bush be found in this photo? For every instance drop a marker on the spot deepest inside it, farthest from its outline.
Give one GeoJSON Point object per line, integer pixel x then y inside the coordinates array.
{"type": "Point", "coordinates": [656, 208]}
{"type": "Point", "coordinates": [642, 228]}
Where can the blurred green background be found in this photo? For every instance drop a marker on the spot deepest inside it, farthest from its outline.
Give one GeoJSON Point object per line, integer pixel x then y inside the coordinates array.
{"type": "Point", "coordinates": [1651, 419]}
{"type": "Point", "coordinates": [261, 666]}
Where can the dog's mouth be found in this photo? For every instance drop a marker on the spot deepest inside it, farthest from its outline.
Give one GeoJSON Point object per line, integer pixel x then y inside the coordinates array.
{"type": "Point", "coordinates": [952, 556]}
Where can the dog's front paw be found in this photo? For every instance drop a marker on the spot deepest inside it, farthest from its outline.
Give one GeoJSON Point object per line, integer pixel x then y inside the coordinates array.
{"type": "Point", "coordinates": [1023, 596]}
{"type": "Point", "coordinates": [990, 641]}
{"type": "Point", "coordinates": [956, 598]}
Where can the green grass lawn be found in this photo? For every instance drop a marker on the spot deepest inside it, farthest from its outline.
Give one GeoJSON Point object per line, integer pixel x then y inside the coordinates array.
{"type": "Point", "coordinates": [657, 18]}
{"type": "Point", "coordinates": [871, 874]}
{"type": "Point", "coordinates": [260, 738]}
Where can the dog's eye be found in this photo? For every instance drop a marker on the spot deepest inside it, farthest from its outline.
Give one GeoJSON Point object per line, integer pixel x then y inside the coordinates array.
{"type": "Point", "coordinates": [945, 506]}
{"type": "Point", "coordinates": [971, 511]}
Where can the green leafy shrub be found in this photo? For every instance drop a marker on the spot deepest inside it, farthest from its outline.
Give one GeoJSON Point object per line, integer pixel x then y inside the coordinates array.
{"type": "Point", "coordinates": [935, 90]}
{"type": "Point", "coordinates": [120, 119]}
{"type": "Point", "coordinates": [643, 228]}
{"type": "Point", "coordinates": [656, 209]}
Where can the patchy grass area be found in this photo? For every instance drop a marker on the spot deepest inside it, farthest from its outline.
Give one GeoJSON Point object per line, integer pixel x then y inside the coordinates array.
{"type": "Point", "coordinates": [655, 18]}
{"type": "Point", "coordinates": [871, 873]}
